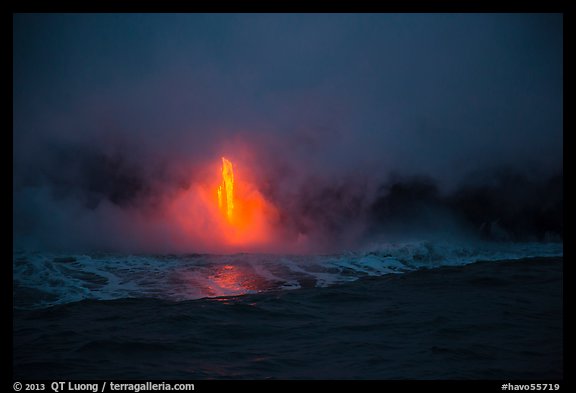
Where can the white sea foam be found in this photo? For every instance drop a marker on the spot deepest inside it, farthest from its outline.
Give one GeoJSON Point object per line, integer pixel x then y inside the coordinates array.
{"type": "Point", "coordinates": [48, 279]}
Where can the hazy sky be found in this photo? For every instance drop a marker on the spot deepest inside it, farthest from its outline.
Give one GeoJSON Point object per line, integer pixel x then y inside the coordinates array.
{"type": "Point", "coordinates": [328, 95]}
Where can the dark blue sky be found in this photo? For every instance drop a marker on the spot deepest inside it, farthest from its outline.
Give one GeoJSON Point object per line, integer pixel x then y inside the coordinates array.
{"type": "Point", "coordinates": [423, 92]}
{"type": "Point", "coordinates": [327, 95]}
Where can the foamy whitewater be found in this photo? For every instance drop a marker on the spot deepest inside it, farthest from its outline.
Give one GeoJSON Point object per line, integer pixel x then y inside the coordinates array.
{"type": "Point", "coordinates": [47, 279]}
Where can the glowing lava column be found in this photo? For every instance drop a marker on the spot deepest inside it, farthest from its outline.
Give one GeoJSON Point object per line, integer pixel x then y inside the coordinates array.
{"type": "Point", "coordinates": [228, 187]}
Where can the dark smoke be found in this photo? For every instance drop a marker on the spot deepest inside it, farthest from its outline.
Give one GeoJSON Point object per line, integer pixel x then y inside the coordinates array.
{"type": "Point", "coordinates": [333, 214]}
{"type": "Point", "coordinates": [503, 205]}
{"type": "Point", "coordinates": [115, 114]}
{"type": "Point", "coordinates": [512, 206]}
{"type": "Point", "coordinates": [329, 214]}
{"type": "Point", "coordinates": [93, 176]}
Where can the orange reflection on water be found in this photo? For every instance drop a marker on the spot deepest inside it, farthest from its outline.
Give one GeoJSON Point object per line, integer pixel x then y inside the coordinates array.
{"type": "Point", "coordinates": [231, 280]}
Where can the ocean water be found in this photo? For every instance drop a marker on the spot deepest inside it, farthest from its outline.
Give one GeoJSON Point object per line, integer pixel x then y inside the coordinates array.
{"type": "Point", "coordinates": [415, 310]}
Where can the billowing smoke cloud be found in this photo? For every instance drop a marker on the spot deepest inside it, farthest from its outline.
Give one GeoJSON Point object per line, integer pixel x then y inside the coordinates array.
{"type": "Point", "coordinates": [355, 127]}
{"type": "Point", "coordinates": [502, 205]}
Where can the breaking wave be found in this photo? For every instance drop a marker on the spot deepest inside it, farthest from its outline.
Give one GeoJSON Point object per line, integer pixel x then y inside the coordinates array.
{"type": "Point", "coordinates": [48, 279]}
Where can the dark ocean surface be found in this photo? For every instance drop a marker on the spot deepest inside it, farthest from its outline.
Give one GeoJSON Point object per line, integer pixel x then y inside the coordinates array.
{"type": "Point", "coordinates": [483, 320]}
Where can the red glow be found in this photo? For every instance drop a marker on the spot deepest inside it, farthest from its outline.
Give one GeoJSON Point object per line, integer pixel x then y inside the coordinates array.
{"type": "Point", "coordinates": [225, 280]}
{"type": "Point", "coordinates": [224, 211]}
{"type": "Point", "coordinates": [229, 280]}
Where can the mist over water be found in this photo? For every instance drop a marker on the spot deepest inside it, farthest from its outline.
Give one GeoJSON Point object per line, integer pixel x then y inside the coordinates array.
{"type": "Point", "coordinates": [397, 204]}
{"type": "Point", "coordinates": [84, 199]}
{"type": "Point", "coordinates": [353, 127]}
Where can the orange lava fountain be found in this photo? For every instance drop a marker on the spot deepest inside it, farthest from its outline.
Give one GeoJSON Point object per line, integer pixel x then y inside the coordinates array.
{"type": "Point", "coordinates": [225, 211]}
{"type": "Point", "coordinates": [228, 186]}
